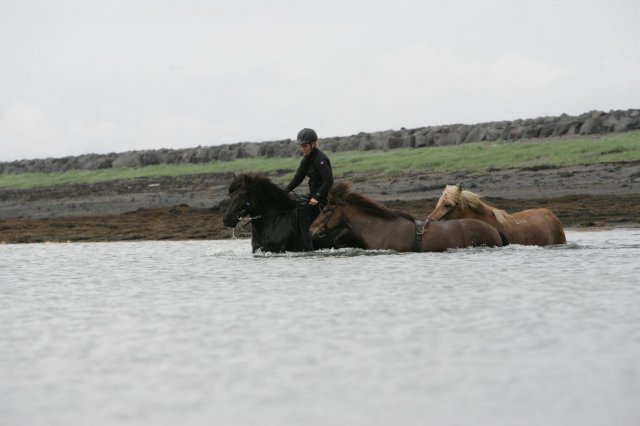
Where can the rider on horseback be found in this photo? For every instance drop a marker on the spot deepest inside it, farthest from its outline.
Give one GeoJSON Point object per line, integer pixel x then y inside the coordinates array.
{"type": "Point", "coordinates": [315, 165]}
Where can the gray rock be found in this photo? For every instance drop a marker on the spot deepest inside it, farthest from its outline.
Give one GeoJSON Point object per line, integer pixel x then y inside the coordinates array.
{"type": "Point", "coordinates": [127, 159]}
{"type": "Point", "coordinates": [592, 125]}
{"type": "Point", "coordinates": [592, 122]}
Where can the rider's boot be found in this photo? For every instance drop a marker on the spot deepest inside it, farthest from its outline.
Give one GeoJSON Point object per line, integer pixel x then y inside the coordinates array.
{"type": "Point", "coordinates": [306, 214]}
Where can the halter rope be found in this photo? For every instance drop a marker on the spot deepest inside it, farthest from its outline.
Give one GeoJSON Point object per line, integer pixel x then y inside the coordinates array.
{"type": "Point", "coordinates": [243, 213]}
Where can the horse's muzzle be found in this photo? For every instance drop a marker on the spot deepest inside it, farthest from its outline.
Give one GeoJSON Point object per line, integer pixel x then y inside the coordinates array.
{"type": "Point", "coordinates": [230, 221]}
{"type": "Point", "coordinates": [322, 233]}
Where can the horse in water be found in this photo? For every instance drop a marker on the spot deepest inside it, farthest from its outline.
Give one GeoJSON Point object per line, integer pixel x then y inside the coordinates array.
{"type": "Point", "coordinates": [379, 227]}
{"type": "Point", "coordinates": [273, 216]}
{"type": "Point", "coordinates": [538, 227]}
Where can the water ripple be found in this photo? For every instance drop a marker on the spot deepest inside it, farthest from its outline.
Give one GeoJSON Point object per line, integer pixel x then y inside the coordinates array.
{"type": "Point", "coordinates": [206, 332]}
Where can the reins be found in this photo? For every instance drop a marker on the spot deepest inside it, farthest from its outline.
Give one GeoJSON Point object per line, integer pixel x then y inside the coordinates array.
{"type": "Point", "coordinates": [241, 217]}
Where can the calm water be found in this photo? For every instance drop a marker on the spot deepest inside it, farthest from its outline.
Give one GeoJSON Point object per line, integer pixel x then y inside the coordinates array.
{"type": "Point", "coordinates": [203, 333]}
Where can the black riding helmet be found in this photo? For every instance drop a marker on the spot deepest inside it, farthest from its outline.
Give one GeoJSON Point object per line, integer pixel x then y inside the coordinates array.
{"type": "Point", "coordinates": [307, 136]}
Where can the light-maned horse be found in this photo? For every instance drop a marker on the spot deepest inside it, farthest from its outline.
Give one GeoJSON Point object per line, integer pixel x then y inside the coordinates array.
{"type": "Point", "coordinates": [538, 227]}
{"type": "Point", "coordinates": [273, 215]}
{"type": "Point", "coordinates": [379, 227]}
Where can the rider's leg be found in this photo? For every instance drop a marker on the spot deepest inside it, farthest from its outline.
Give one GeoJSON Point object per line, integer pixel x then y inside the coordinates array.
{"type": "Point", "coordinates": [306, 215]}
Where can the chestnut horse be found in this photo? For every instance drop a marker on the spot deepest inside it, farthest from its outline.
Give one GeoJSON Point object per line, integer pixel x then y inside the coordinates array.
{"type": "Point", "coordinates": [539, 227]}
{"type": "Point", "coordinates": [378, 227]}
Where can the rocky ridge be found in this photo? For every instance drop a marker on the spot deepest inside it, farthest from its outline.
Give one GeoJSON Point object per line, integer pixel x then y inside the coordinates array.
{"type": "Point", "coordinates": [594, 122]}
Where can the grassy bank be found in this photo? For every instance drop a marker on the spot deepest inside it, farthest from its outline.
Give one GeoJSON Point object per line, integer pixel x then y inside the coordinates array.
{"type": "Point", "coordinates": [473, 158]}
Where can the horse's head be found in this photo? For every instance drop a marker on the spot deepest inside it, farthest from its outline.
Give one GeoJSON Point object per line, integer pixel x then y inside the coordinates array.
{"type": "Point", "coordinates": [449, 201]}
{"type": "Point", "coordinates": [253, 194]}
{"type": "Point", "coordinates": [329, 218]}
{"type": "Point", "coordinates": [242, 202]}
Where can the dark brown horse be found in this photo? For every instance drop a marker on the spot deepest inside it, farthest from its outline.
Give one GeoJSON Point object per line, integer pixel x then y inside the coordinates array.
{"type": "Point", "coordinates": [378, 227]}
{"type": "Point", "coordinates": [538, 227]}
{"type": "Point", "coordinates": [273, 215]}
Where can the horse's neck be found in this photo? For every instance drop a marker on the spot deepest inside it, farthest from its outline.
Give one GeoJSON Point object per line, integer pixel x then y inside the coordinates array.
{"type": "Point", "coordinates": [267, 205]}
{"type": "Point", "coordinates": [270, 214]}
{"type": "Point", "coordinates": [380, 233]}
{"type": "Point", "coordinates": [274, 229]}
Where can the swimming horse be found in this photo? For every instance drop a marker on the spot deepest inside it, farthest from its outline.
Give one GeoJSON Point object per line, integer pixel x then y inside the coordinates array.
{"type": "Point", "coordinates": [379, 227]}
{"type": "Point", "coordinates": [273, 216]}
{"type": "Point", "coordinates": [529, 227]}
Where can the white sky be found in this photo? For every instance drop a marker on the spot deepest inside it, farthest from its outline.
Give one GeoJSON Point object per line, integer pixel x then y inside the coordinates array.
{"type": "Point", "coordinates": [87, 76]}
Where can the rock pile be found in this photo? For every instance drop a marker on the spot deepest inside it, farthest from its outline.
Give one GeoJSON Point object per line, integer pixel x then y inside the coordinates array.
{"type": "Point", "coordinates": [595, 122]}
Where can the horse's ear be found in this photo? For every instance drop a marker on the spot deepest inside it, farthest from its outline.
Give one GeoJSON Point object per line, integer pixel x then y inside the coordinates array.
{"type": "Point", "coordinates": [459, 186]}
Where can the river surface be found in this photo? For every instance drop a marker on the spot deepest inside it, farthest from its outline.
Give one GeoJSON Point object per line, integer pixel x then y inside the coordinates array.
{"type": "Point", "coordinates": [205, 333]}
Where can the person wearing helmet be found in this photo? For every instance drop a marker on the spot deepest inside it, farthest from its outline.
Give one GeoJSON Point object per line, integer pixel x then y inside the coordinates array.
{"type": "Point", "coordinates": [316, 166]}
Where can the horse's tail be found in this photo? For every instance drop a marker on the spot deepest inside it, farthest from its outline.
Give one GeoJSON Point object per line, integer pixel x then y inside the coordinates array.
{"type": "Point", "coordinates": [505, 241]}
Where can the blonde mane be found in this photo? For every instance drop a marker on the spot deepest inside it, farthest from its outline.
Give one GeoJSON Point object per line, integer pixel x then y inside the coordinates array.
{"type": "Point", "coordinates": [467, 200]}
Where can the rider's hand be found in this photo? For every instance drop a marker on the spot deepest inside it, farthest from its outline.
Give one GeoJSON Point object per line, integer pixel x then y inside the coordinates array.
{"type": "Point", "coordinates": [313, 202]}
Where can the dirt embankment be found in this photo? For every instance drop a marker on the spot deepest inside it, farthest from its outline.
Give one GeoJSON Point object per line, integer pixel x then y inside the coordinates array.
{"type": "Point", "coordinates": [190, 207]}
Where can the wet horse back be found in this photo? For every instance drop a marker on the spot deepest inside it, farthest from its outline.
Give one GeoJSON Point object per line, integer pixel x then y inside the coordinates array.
{"type": "Point", "coordinates": [480, 233]}
{"type": "Point", "coordinates": [459, 233]}
{"type": "Point", "coordinates": [535, 227]}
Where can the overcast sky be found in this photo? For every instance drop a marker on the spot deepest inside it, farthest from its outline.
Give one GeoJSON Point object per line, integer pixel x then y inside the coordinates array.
{"type": "Point", "coordinates": [90, 76]}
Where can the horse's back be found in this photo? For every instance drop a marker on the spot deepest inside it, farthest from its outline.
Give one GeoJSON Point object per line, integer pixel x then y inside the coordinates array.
{"type": "Point", "coordinates": [460, 233]}
{"type": "Point", "coordinates": [480, 233]}
{"type": "Point", "coordinates": [536, 227]}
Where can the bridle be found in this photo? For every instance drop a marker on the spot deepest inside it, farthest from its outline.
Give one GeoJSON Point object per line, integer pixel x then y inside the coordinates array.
{"type": "Point", "coordinates": [429, 219]}
{"type": "Point", "coordinates": [248, 210]}
{"type": "Point", "coordinates": [240, 216]}
{"type": "Point", "coordinates": [323, 230]}
{"type": "Point", "coordinates": [425, 227]}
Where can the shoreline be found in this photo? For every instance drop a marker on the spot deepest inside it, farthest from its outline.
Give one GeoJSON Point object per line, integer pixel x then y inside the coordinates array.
{"type": "Point", "coordinates": [589, 212]}
{"type": "Point", "coordinates": [191, 207]}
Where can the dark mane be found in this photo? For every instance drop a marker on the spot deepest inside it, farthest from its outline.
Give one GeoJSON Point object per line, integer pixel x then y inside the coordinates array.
{"type": "Point", "coordinates": [341, 193]}
{"type": "Point", "coordinates": [264, 190]}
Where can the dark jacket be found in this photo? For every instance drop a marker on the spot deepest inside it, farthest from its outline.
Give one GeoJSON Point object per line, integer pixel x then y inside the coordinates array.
{"type": "Point", "coordinates": [318, 168]}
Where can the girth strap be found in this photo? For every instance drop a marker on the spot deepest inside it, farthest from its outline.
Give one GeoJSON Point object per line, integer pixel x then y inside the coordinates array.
{"type": "Point", "coordinates": [417, 243]}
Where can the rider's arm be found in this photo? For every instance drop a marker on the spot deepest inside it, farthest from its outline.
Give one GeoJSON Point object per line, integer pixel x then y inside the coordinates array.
{"type": "Point", "coordinates": [327, 179]}
{"type": "Point", "coordinates": [299, 177]}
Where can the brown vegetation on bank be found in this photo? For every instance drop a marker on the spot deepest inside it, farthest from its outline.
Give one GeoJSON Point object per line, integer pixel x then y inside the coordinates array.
{"type": "Point", "coordinates": [190, 207]}
{"type": "Point", "coordinates": [186, 223]}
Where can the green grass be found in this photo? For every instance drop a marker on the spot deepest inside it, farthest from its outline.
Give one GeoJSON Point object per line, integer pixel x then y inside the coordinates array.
{"type": "Point", "coordinates": [30, 180]}
{"type": "Point", "coordinates": [473, 158]}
